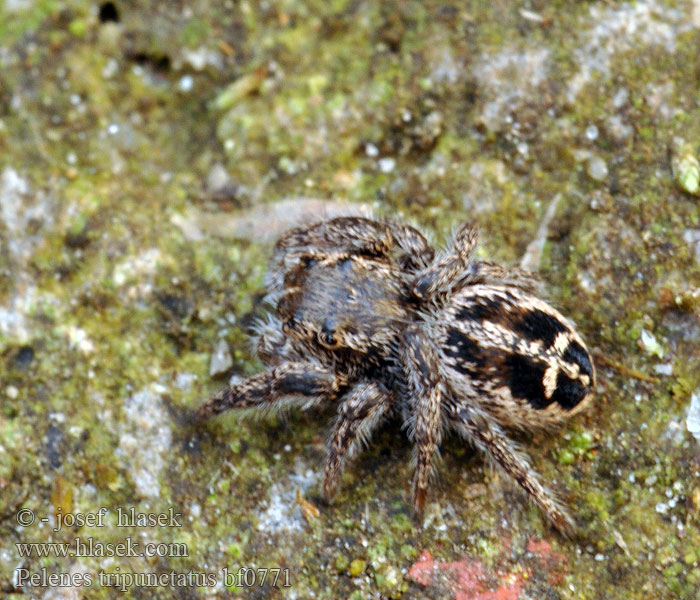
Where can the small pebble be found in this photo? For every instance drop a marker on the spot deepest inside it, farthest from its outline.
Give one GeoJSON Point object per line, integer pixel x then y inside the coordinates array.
{"type": "Point", "coordinates": [186, 83]}
{"type": "Point", "coordinates": [221, 360]}
{"type": "Point", "coordinates": [692, 421]}
{"type": "Point", "coordinates": [217, 178]}
{"type": "Point", "coordinates": [386, 165]}
{"type": "Point", "coordinates": [371, 150]}
{"type": "Point", "coordinates": [664, 369]}
{"type": "Point", "coordinates": [650, 344]}
{"type": "Point", "coordinates": [620, 98]}
{"type": "Point", "coordinates": [530, 15]}
{"type": "Point", "coordinates": [110, 69]}
{"type": "Point", "coordinates": [692, 236]}
{"type": "Point", "coordinates": [597, 169]}
{"type": "Point", "coordinates": [686, 168]}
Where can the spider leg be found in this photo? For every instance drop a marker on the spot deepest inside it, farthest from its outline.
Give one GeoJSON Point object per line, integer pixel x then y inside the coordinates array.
{"type": "Point", "coordinates": [419, 361]}
{"type": "Point", "coordinates": [491, 273]}
{"type": "Point", "coordinates": [490, 439]}
{"type": "Point", "coordinates": [312, 243]}
{"type": "Point", "coordinates": [450, 269]}
{"type": "Point", "coordinates": [271, 345]}
{"type": "Point", "coordinates": [455, 269]}
{"type": "Point", "coordinates": [416, 253]}
{"type": "Point", "coordinates": [301, 383]}
{"type": "Point", "coordinates": [354, 235]}
{"type": "Point", "coordinates": [361, 410]}
{"type": "Point", "coordinates": [349, 235]}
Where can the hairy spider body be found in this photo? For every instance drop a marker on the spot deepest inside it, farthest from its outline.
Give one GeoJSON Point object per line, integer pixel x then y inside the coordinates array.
{"type": "Point", "coordinates": [369, 317]}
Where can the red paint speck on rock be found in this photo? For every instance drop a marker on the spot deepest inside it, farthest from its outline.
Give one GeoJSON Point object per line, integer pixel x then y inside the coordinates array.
{"type": "Point", "coordinates": [555, 563]}
{"type": "Point", "coordinates": [467, 578]}
{"type": "Point", "coordinates": [541, 547]}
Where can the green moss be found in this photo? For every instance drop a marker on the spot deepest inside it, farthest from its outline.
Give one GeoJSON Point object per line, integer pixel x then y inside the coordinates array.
{"type": "Point", "coordinates": [566, 456]}
{"type": "Point", "coordinates": [599, 503]}
{"type": "Point", "coordinates": [693, 577]}
{"type": "Point", "coordinates": [196, 31]}
{"type": "Point", "coordinates": [408, 552]}
{"type": "Point", "coordinates": [16, 24]}
{"type": "Point", "coordinates": [341, 563]}
{"type": "Point", "coordinates": [78, 27]}
{"type": "Point", "coordinates": [357, 567]}
{"type": "Point", "coordinates": [389, 582]}
{"type": "Point", "coordinates": [335, 77]}
{"type": "Point", "coordinates": [673, 571]}
{"type": "Point", "coordinates": [234, 551]}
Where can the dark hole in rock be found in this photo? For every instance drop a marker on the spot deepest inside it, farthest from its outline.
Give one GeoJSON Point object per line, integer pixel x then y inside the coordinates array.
{"type": "Point", "coordinates": [24, 358]}
{"type": "Point", "coordinates": [157, 62]}
{"type": "Point", "coordinates": [108, 13]}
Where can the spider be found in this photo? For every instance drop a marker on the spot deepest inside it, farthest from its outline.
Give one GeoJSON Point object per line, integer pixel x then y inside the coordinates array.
{"type": "Point", "coordinates": [370, 318]}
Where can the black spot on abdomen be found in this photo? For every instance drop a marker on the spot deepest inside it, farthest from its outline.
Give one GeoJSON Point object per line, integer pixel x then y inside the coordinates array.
{"type": "Point", "coordinates": [569, 392]}
{"type": "Point", "coordinates": [577, 355]}
{"type": "Point", "coordinates": [538, 325]}
{"type": "Point", "coordinates": [482, 309]}
{"type": "Point", "coordinates": [525, 379]}
{"type": "Point", "coordinates": [469, 358]}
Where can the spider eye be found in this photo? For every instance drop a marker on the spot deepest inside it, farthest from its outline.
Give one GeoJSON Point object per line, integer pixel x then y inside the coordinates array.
{"type": "Point", "coordinates": [421, 287]}
{"type": "Point", "coordinates": [327, 339]}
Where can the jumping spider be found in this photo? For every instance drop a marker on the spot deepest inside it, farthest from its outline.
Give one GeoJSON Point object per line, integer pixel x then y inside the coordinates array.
{"type": "Point", "coordinates": [369, 317]}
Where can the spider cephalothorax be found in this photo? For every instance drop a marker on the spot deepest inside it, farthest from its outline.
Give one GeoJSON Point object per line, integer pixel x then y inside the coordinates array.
{"type": "Point", "coordinates": [368, 316]}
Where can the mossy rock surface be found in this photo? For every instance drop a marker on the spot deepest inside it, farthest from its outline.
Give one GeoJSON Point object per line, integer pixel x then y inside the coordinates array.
{"type": "Point", "coordinates": [150, 152]}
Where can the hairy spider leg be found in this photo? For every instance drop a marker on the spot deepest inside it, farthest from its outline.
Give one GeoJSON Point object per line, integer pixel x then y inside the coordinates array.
{"type": "Point", "coordinates": [361, 410]}
{"type": "Point", "coordinates": [488, 437]}
{"type": "Point", "coordinates": [449, 268]}
{"type": "Point", "coordinates": [490, 273]}
{"type": "Point", "coordinates": [419, 361]}
{"type": "Point", "coordinates": [455, 268]}
{"type": "Point", "coordinates": [416, 253]}
{"type": "Point", "coordinates": [290, 383]}
{"type": "Point", "coordinates": [351, 235]}
{"type": "Point", "coordinates": [271, 345]}
{"type": "Point", "coordinates": [357, 235]}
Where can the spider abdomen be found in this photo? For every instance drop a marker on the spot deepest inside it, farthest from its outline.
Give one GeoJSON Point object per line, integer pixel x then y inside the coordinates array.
{"type": "Point", "coordinates": [513, 352]}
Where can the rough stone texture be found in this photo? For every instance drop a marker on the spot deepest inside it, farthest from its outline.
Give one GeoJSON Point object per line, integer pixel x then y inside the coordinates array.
{"type": "Point", "coordinates": [150, 152]}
